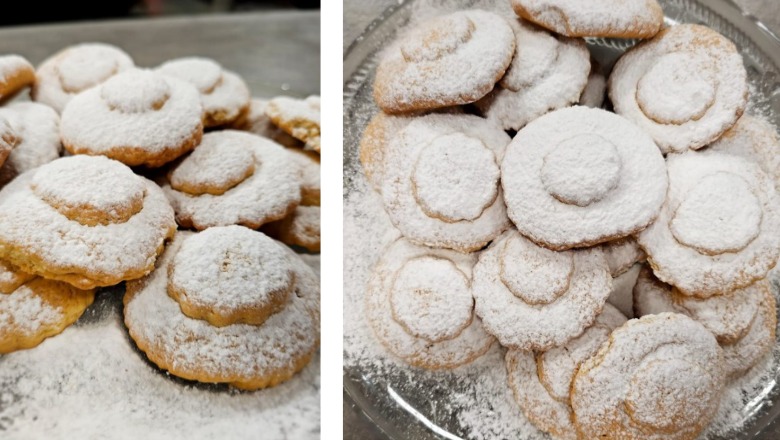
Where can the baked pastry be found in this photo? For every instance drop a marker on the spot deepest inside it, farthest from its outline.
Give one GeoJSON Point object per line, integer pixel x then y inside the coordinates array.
{"type": "Point", "coordinates": [257, 122]}
{"type": "Point", "coordinates": [717, 230]}
{"type": "Point", "coordinates": [441, 180]}
{"type": "Point", "coordinates": [233, 177]}
{"type": "Point", "coordinates": [11, 278]}
{"type": "Point", "coordinates": [377, 135]}
{"type": "Point", "coordinates": [76, 69]}
{"type": "Point", "coordinates": [596, 88]}
{"type": "Point", "coordinates": [622, 254]}
{"type": "Point", "coordinates": [600, 179]}
{"type": "Point", "coordinates": [594, 18]}
{"type": "Point", "coordinates": [85, 220]}
{"type": "Point", "coordinates": [39, 309]}
{"type": "Point", "coordinates": [540, 382]}
{"type": "Point", "coordinates": [36, 129]}
{"type": "Point", "coordinates": [299, 228]}
{"type": "Point", "coordinates": [532, 298]}
{"type": "Point", "coordinates": [137, 117]}
{"type": "Point", "coordinates": [8, 139]}
{"type": "Point", "coordinates": [622, 295]}
{"type": "Point", "coordinates": [245, 356]}
{"type": "Point", "coordinates": [16, 73]}
{"type": "Point", "coordinates": [547, 73]}
{"type": "Point", "coordinates": [420, 306]}
{"type": "Point", "coordinates": [223, 94]}
{"type": "Point", "coordinates": [447, 60]}
{"type": "Point", "coordinates": [755, 139]}
{"type": "Point", "coordinates": [685, 87]}
{"type": "Point", "coordinates": [743, 321]}
{"type": "Point", "coordinates": [658, 377]}
{"type": "Point", "coordinates": [300, 118]}
{"type": "Point", "coordinates": [308, 164]}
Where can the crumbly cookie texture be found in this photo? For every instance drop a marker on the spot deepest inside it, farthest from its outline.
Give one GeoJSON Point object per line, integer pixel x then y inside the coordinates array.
{"type": "Point", "coordinates": [36, 129]}
{"type": "Point", "coordinates": [755, 139]}
{"type": "Point", "coordinates": [300, 118]}
{"type": "Point", "coordinates": [300, 228]}
{"type": "Point", "coordinates": [16, 73]}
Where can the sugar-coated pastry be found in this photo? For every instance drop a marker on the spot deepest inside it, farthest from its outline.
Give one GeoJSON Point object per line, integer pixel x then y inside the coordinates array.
{"type": "Point", "coordinates": [16, 73]}
{"type": "Point", "coordinates": [37, 131]}
{"type": "Point", "coordinates": [11, 277]}
{"type": "Point", "coordinates": [308, 164]}
{"type": "Point", "coordinates": [622, 295]}
{"type": "Point", "coordinates": [755, 139]}
{"type": "Point", "coordinates": [257, 122]}
{"type": "Point", "coordinates": [373, 144]}
{"type": "Point", "coordinates": [300, 118]}
{"type": "Point", "coordinates": [622, 254]}
{"type": "Point", "coordinates": [596, 88]}
{"type": "Point", "coordinates": [9, 138]}
{"type": "Point", "coordinates": [300, 228]}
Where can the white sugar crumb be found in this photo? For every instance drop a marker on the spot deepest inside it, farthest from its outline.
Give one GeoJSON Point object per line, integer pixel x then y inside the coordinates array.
{"type": "Point", "coordinates": [25, 312]}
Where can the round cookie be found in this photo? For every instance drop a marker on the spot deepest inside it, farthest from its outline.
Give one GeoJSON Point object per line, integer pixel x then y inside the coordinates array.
{"type": "Point", "coordinates": [547, 73]}
{"type": "Point", "coordinates": [594, 18]}
{"type": "Point", "coordinates": [717, 230]}
{"type": "Point", "coordinates": [137, 117]}
{"type": "Point", "coordinates": [257, 122]}
{"type": "Point", "coordinates": [233, 177]}
{"type": "Point", "coordinates": [245, 356]}
{"type": "Point", "coordinates": [39, 309]}
{"type": "Point", "coordinates": [75, 69]}
{"type": "Point", "coordinates": [532, 298]}
{"type": "Point", "coordinates": [441, 181]}
{"type": "Point", "coordinates": [755, 139]}
{"type": "Point", "coordinates": [85, 220]}
{"type": "Point", "coordinates": [657, 377]}
{"type": "Point", "coordinates": [540, 382]}
{"type": "Point", "coordinates": [448, 60]}
{"type": "Point", "coordinates": [742, 321]}
{"type": "Point", "coordinates": [373, 144]}
{"type": "Point", "coordinates": [223, 94]}
{"type": "Point", "coordinates": [300, 228]}
{"type": "Point", "coordinates": [300, 118]}
{"type": "Point", "coordinates": [420, 306]}
{"type": "Point", "coordinates": [37, 130]}
{"type": "Point", "coordinates": [599, 179]}
{"type": "Point", "coordinates": [685, 87]}
{"type": "Point", "coordinates": [16, 73]}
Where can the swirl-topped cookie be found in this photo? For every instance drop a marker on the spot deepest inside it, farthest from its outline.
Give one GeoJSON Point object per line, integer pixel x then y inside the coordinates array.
{"type": "Point", "coordinates": [257, 122]}
{"type": "Point", "coordinates": [420, 306]}
{"type": "Point", "coordinates": [685, 87]}
{"type": "Point", "coordinates": [532, 298]}
{"type": "Point", "coordinates": [299, 228]}
{"type": "Point", "coordinates": [36, 132]}
{"type": "Point", "coordinates": [547, 73]}
{"type": "Point", "coordinates": [233, 178]}
{"type": "Point", "coordinates": [448, 60]}
{"type": "Point", "coordinates": [441, 181]}
{"type": "Point", "coordinates": [717, 229]}
{"type": "Point", "coordinates": [755, 139]}
{"type": "Point", "coordinates": [300, 118]}
{"type": "Point", "coordinates": [76, 69]}
{"type": "Point", "coordinates": [85, 220]}
{"type": "Point", "coordinates": [600, 179]}
{"type": "Point", "coordinates": [16, 73]}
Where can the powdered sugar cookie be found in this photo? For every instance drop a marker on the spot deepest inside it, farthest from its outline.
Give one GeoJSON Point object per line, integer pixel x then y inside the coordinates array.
{"type": "Point", "coordinates": [257, 122]}
{"type": "Point", "coordinates": [532, 298]}
{"type": "Point", "coordinates": [685, 87]}
{"type": "Point", "coordinates": [441, 179]}
{"type": "Point", "coordinates": [11, 277]}
{"type": "Point", "coordinates": [8, 139]}
{"type": "Point", "coordinates": [547, 72]}
{"type": "Point", "coordinates": [658, 377]}
{"type": "Point", "coordinates": [743, 321]}
{"type": "Point", "coordinates": [37, 131]}
{"type": "Point", "coordinates": [246, 356]}
{"type": "Point", "coordinates": [75, 69]}
{"type": "Point", "coordinates": [300, 118]}
{"type": "Point", "coordinates": [224, 95]}
{"type": "Point", "coordinates": [233, 178]}
{"type": "Point", "coordinates": [448, 60]}
{"type": "Point", "coordinates": [541, 382]}
{"type": "Point", "coordinates": [16, 73]}
{"type": "Point", "coordinates": [755, 139]}
{"type": "Point", "coordinates": [377, 135]}
{"type": "Point", "coordinates": [622, 254]}
{"type": "Point", "coordinates": [622, 295]}
{"type": "Point", "coordinates": [300, 228]}
{"type": "Point", "coordinates": [717, 230]}
{"type": "Point", "coordinates": [600, 179]}
{"type": "Point", "coordinates": [599, 18]}
{"type": "Point", "coordinates": [308, 164]}
{"type": "Point", "coordinates": [596, 88]}
{"type": "Point", "coordinates": [420, 306]}
{"type": "Point", "coordinates": [39, 309]}
{"type": "Point", "coordinates": [137, 117]}
{"type": "Point", "coordinates": [88, 221]}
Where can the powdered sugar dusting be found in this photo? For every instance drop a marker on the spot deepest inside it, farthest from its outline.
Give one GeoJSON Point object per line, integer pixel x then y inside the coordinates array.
{"type": "Point", "coordinates": [24, 312]}
{"type": "Point", "coordinates": [38, 131]}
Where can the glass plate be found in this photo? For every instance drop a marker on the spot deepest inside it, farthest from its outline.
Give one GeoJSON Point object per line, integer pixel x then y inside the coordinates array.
{"type": "Point", "coordinates": [401, 402]}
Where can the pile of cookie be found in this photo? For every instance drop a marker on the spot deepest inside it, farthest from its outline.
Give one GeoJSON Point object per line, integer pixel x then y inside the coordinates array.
{"type": "Point", "coordinates": [225, 303]}
{"type": "Point", "coordinates": [619, 251]}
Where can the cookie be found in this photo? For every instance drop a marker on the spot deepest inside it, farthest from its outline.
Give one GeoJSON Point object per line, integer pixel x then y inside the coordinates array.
{"type": "Point", "coordinates": [755, 139]}
{"type": "Point", "coordinates": [622, 295]}
{"type": "Point", "coordinates": [299, 228]}
{"type": "Point", "coordinates": [622, 254]}
{"type": "Point", "coordinates": [532, 298]}
{"type": "Point", "coordinates": [449, 60]}
{"type": "Point", "coordinates": [245, 356]}
{"type": "Point", "coordinates": [594, 18]}
{"type": "Point", "coordinates": [717, 230]}
{"type": "Point", "coordinates": [441, 181]}
{"type": "Point", "coordinates": [85, 220]}
{"type": "Point", "coordinates": [596, 88]}
{"type": "Point", "coordinates": [11, 278]}
{"type": "Point", "coordinates": [16, 73]}
{"type": "Point", "coordinates": [420, 305]}
{"type": "Point", "coordinates": [76, 69]}
{"type": "Point", "coordinates": [9, 138]}
{"type": "Point", "coordinates": [685, 87]}
{"type": "Point", "coordinates": [657, 377]}
{"type": "Point", "coordinates": [308, 164]}
{"type": "Point", "coordinates": [547, 73]}
{"type": "Point", "coordinates": [540, 382]}
{"type": "Point", "coordinates": [300, 118]}
{"type": "Point", "coordinates": [257, 122]}
{"type": "Point", "coordinates": [37, 131]}
{"type": "Point", "coordinates": [39, 309]}
{"type": "Point", "coordinates": [373, 144]}
{"type": "Point", "coordinates": [233, 177]}
{"type": "Point", "coordinates": [599, 179]}
{"type": "Point", "coordinates": [743, 321]}
{"type": "Point", "coordinates": [223, 94]}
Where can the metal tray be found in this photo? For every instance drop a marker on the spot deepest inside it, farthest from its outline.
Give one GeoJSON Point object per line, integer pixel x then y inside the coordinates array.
{"type": "Point", "coordinates": [403, 402]}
